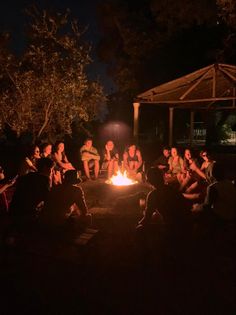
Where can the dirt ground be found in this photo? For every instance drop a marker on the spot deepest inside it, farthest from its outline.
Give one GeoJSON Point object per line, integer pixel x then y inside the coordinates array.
{"type": "Point", "coordinates": [118, 271]}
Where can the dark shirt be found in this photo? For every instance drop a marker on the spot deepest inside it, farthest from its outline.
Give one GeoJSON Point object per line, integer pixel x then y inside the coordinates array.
{"type": "Point", "coordinates": [60, 199]}
{"type": "Point", "coordinates": [170, 203]}
{"type": "Point", "coordinates": [162, 160]}
{"type": "Point", "coordinates": [31, 189]}
{"type": "Point", "coordinates": [113, 154]}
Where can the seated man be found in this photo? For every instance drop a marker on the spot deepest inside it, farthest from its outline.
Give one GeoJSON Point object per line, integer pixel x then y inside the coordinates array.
{"type": "Point", "coordinates": [168, 203]}
{"type": "Point", "coordinates": [90, 158]}
{"type": "Point", "coordinates": [65, 199]}
{"type": "Point", "coordinates": [133, 161]}
{"type": "Point", "coordinates": [162, 161]}
{"type": "Point", "coordinates": [110, 159]}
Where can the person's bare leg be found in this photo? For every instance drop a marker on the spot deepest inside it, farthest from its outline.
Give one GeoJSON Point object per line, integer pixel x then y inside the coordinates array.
{"type": "Point", "coordinates": [86, 169]}
{"type": "Point", "coordinates": [110, 169]}
{"type": "Point", "coordinates": [115, 167]}
{"type": "Point", "coordinates": [96, 168]}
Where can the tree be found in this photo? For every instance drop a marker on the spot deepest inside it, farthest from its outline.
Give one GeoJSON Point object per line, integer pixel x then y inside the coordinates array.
{"type": "Point", "coordinates": [154, 41]}
{"type": "Point", "coordinates": [48, 87]}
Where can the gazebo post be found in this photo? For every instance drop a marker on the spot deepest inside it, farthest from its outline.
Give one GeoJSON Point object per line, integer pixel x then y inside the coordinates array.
{"type": "Point", "coordinates": [136, 119]}
{"type": "Point", "coordinates": [191, 126]}
{"type": "Point", "coordinates": [171, 115]}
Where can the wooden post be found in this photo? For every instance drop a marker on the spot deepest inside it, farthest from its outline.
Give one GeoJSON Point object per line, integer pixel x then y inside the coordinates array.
{"type": "Point", "coordinates": [136, 119]}
{"type": "Point", "coordinates": [191, 126]}
{"type": "Point", "coordinates": [171, 114]}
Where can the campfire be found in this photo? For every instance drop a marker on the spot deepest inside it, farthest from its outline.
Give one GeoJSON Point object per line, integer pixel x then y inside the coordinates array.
{"type": "Point", "coordinates": [121, 179]}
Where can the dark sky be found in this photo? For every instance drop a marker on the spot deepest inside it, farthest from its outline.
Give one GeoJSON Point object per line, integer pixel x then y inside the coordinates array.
{"type": "Point", "coordinates": [12, 18]}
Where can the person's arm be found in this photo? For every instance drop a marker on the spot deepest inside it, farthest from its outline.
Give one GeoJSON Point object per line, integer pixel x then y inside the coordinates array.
{"type": "Point", "coordinates": [125, 160]}
{"type": "Point", "coordinates": [140, 160]}
{"type": "Point", "coordinates": [197, 170]}
{"type": "Point", "coordinates": [80, 201]}
{"type": "Point", "coordinates": [30, 164]}
{"type": "Point", "coordinates": [181, 162]}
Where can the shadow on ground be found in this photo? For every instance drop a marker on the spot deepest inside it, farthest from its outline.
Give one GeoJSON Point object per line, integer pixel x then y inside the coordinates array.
{"type": "Point", "coordinates": [114, 273]}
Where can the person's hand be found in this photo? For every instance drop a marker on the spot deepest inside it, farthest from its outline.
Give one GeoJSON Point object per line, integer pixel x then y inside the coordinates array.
{"type": "Point", "coordinates": [196, 207]}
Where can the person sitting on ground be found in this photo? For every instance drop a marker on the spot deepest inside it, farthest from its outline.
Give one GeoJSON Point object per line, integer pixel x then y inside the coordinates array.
{"type": "Point", "coordinates": [66, 201]}
{"type": "Point", "coordinates": [30, 161]}
{"type": "Point", "coordinates": [167, 202]}
{"type": "Point", "coordinates": [162, 161]}
{"type": "Point", "coordinates": [220, 198]}
{"type": "Point", "coordinates": [176, 167]}
{"type": "Point", "coordinates": [46, 150]}
{"type": "Point", "coordinates": [59, 156]}
{"type": "Point", "coordinates": [132, 159]}
{"type": "Point", "coordinates": [207, 166]}
{"type": "Point", "coordinates": [110, 159]}
{"type": "Point", "coordinates": [31, 191]}
{"type": "Point", "coordinates": [47, 153]}
{"type": "Point", "coordinates": [90, 158]}
{"type": "Point", "coordinates": [192, 173]}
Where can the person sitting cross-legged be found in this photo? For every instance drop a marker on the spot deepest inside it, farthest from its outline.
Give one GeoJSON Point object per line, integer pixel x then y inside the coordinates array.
{"type": "Point", "coordinates": [31, 191]}
{"type": "Point", "coordinates": [168, 203]}
{"type": "Point", "coordinates": [64, 200]}
{"type": "Point", "coordinates": [90, 158]}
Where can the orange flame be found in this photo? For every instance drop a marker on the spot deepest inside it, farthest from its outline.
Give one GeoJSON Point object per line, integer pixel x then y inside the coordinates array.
{"type": "Point", "coordinates": [121, 180]}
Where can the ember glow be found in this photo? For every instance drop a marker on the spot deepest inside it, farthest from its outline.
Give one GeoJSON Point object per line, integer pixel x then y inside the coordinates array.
{"type": "Point", "coordinates": [121, 180]}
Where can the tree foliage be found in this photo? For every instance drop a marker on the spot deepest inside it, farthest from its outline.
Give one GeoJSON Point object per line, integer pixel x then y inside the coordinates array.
{"type": "Point", "coordinates": [48, 88]}
{"type": "Point", "coordinates": [153, 41]}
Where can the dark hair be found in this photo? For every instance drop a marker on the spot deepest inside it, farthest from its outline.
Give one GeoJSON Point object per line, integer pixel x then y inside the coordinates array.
{"type": "Point", "coordinates": [44, 145]}
{"type": "Point", "coordinates": [44, 163]}
{"type": "Point", "coordinates": [165, 148]}
{"type": "Point", "coordinates": [218, 171]}
{"type": "Point", "coordinates": [88, 139]}
{"type": "Point", "coordinates": [71, 177]}
{"type": "Point", "coordinates": [155, 176]}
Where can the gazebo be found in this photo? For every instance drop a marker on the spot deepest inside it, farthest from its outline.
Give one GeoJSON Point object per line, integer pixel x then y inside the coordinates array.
{"type": "Point", "coordinates": [210, 88]}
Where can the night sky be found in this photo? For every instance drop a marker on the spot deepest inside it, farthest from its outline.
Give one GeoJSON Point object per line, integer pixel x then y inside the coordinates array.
{"type": "Point", "coordinates": [12, 19]}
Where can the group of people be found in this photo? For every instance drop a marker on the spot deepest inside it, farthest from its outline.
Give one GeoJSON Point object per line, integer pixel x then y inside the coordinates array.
{"type": "Point", "coordinates": [111, 161]}
{"type": "Point", "coordinates": [92, 160]}
{"type": "Point", "coordinates": [48, 185]}
{"type": "Point", "coordinates": [186, 172]}
{"type": "Point", "coordinates": [183, 189]}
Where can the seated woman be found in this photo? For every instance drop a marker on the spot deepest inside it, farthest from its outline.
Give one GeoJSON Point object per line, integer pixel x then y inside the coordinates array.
{"type": "Point", "coordinates": [30, 161]}
{"type": "Point", "coordinates": [90, 158]}
{"type": "Point", "coordinates": [110, 158]}
{"type": "Point", "coordinates": [192, 173]}
{"type": "Point", "coordinates": [47, 153]}
{"type": "Point", "coordinates": [207, 166]}
{"type": "Point", "coordinates": [132, 159]}
{"type": "Point", "coordinates": [176, 167]}
{"type": "Point", "coordinates": [162, 161]}
{"type": "Point", "coordinates": [59, 156]}
{"type": "Point", "coordinates": [46, 150]}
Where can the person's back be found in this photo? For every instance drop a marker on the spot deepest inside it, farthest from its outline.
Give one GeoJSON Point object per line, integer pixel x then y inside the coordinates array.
{"type": "Point", "coordinates": [31, 189]}
{"type": "Point", "coordinates": [165, 199]}
{"type": "Point", "coordinates": [221, 198]}
{"type": "Point", "coordinates": [62, 198]}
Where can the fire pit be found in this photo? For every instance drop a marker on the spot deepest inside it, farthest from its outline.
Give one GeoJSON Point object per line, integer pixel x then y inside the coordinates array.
{"type": "Point", "coordinates": [102, 195]}
{"type": "Point", "coordinates": [121, 179]}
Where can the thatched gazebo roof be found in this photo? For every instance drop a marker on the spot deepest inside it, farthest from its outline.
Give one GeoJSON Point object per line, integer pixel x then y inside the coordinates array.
{"type": "Point", "coordinates": [209, 88]}
{"type": "Point", "coordinates": [199, 89]}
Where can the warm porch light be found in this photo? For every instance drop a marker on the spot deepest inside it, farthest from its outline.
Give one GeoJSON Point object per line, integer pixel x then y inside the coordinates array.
{"type": "Point", "coordinates": [121, 179]}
